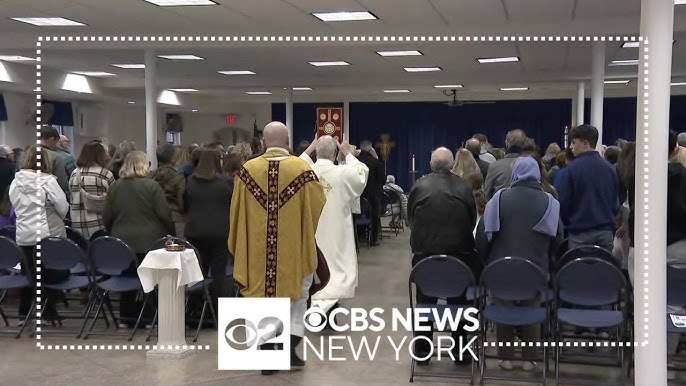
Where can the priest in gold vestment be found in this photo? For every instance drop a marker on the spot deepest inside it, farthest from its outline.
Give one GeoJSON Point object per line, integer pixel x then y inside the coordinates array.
{"type": "Point", "coordinates": [275, 209]}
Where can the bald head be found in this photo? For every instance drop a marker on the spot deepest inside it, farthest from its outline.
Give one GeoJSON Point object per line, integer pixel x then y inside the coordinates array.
{"type": "Point", "coordinates": [474, 146]}
{"type": "Point", "coordinates": [275, 134]}
{"type": "Point", "coordinates": [63, 142]}
{"type": "Point", "coordinates": [442, 159]}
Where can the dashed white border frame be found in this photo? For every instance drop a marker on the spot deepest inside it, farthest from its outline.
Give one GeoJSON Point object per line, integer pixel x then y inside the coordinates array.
{"type": "Point", "coordinates": [344, 39]}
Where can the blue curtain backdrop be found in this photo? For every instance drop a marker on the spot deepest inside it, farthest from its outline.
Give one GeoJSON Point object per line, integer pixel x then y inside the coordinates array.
{"type": "Point", "coordinates": [419, 127]}
{"type": "Point", "coordinates": [3, 109]}
{"type": "Point", "coordinates": [64, 114]}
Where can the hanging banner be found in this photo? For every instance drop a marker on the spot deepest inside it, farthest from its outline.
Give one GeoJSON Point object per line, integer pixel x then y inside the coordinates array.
{"type": "Point", "coordinates": [330, 122]}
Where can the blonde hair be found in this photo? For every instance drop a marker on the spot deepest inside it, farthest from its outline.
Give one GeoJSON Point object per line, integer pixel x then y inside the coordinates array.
{"type": "Point", "coordinates": [553, 148]}
{"type": "Point", "coordinates": [244, 150]}
{"type": "Point", "coordinates": [679, 156]}
{"type": "Point", "coordinates": [180, 155]}
{"type": "Point", "coordinates": [30, 160]}
{"type": "Point", "coordinates": [135, 165]}
{"type": "Point", "coordinates": [464, 163]}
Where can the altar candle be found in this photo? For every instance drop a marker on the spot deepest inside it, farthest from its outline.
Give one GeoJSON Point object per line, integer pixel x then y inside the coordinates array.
{"type": "Point", "coordinates": [413, 169]}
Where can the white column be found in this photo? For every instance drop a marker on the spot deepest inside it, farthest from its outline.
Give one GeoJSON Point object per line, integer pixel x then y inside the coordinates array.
{"type": "Point", "coordinates": [580, 103]}
{"type": "Point", "coordinates": [346, 121]}
{"type": "Point", "coordinates": [171, 316]}
{"type": "Point", "coordinates": [652, 125]}
{"type": "Point", "coordinates": [598, 90]}
{"type": "Point", "coordinates": [150, 108]}
{"type": "Point", "coordinates": [289, 115]}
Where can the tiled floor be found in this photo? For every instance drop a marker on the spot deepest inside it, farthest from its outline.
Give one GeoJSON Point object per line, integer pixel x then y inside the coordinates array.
{"type": "Point", "coordinates": [383, 282]}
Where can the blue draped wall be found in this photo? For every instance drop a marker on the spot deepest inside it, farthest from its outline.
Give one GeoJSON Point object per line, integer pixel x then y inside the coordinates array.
{"type": "Point", "coordinates": [419, 127]}
{"type": "Point", "coordinates": [3, 109]}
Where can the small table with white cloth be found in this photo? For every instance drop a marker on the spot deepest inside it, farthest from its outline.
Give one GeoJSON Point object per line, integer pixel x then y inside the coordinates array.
{"type": "Point", "coordinates": [171, 271]}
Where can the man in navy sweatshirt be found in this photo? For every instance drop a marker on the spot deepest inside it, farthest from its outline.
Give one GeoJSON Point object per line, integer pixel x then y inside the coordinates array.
{"type": "Point", "coordinates": [588, 193]}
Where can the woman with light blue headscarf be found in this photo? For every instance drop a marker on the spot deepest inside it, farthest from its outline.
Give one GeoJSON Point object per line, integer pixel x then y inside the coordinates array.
{"type": "Point", "coordinates": [520, 221]}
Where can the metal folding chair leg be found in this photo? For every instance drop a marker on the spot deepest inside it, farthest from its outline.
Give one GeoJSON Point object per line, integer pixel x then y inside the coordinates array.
{"type": "Point", "coordinates": [97, 313]}
{"type": "Point", "coordinates": [140, 316]}
{"type": "Point", "coordinates": [26, 319]}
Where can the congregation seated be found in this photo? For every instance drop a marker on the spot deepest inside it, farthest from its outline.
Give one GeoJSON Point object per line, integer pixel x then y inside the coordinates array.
{"type": "Point", "coordinates": [398, 208]}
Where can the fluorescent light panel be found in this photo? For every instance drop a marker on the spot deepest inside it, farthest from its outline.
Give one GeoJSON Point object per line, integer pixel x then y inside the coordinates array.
{"type": "Point", "coordinates": [514, 88]}
{"type": "Point", "coordinates": [16, 58]}
{"type": "Point", "coordinates": [617, 81]}
{"type": "Point", "coordinates": [181, 3]}
{"type": "Point", "coordinates": [504, 59]}
{"type": "Point", "coordinates": [130, 66]}
{"type": "Point", "coordinates": [237, 72]}
{"type": "Point", "coordinates": [399, 53]}
{"type": "Point", "coordinates": [344, 16]}
{"type": "Point", "coordinates": [48, 21]}
{"type": "Point", "coordinates": [194, 110]}
{"type": "Point", "coordinates": [396, 91]}
{"type": "Point", "coordinates": [679, 2]}
{"type": "Point", "coordinates": [448, 86]}
{"type": "Point", "coordinates": [131, 102]}
{"type": "Point", "coordinates": [258, 93]}
{"type": "Point", "coordinates": [4, 75]}
{"type": "Point", "coordinates": [629, 62]}
{"type": "Point", "coordinates": [422, 69]}
{"type": "Point", "coordinates": [302, 89]}
{"type": "Point", "coordinates": [169, 98]}
{"type": "Point", "coordinates": [77, 83]}
{"type": "Point", "coordinates": [630, 44]}
{"type": "Point", "coordinates": [679, 83]}
{"type": "Point", "coordinates": [183, 90]}
{"type": "Point", "coordinates": [181, 57]}
{"type": "Point", "coordinates": [98, 74]}
{"type": "Point", "coordinates": [332, 63]}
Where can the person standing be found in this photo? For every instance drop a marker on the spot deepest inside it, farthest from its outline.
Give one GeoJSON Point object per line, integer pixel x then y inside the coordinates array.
{"type": "Point", "coordinates": [500, 171]}
{"type": "Point", "coordinates": [374, 189]}
{"type": "Point", "coordinates": [275, 208]}
{"type": "Point", "coordinates": [62, 149]}
{"type": "Point", "coordinates": [173, 184]}
{"type": "Point", "coordinates": [49, 137]}
{"type": "Point", "coordinates": [588, 193]}
{"type": "Point", "coordinates": [343, 184]}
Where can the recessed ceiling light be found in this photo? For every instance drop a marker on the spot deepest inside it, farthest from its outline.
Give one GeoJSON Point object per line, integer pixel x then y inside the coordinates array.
{"type": "Point", "coordinates": [183, 90]}
{"type": "Point", "coordinates": [194, 110]}
{"type": "Point", "coordinates": [332, 63]}
{"type": "Point", "coordinates": [237, 72]}
{"type": "Point", "coordinates": [131, 102]}
{"type": "Point", "coordinates": [258, 93]}
{"type": "Point", "coordinates": [130, 66]}
{"type": "Point", "coordinates": [48, 21]}
{"type": "Point", "coordinates": [181, 3]}
{"type": "Point", "coordinates": [399, 53]}
{"type": "Point", "coordinates": [679, 2]}
{"type": "Point", "coordinates": [169, 98]}
{"type": "Point", "coordinates": [94, 73]}
{"type": "Point", "coordinates": [629, 62]}
{"type": "Point", "coordinates": [16, 58]}
{"type": "Point", "coordinates": [514, 88]}
{"type": "Point", "coordinates": [678, 83]}
{"type": "Point", "coordinates": [302, 89]}
{"type": "Point", "coordinates": [448, 86]}
{"type": "Point", "coordinates": [630, 44]}
{"type": "Point", "coordinates": [344, 16]}
{"type": "Point", "coordinates": [505, 59]}
{"type": "Point", "coordinates": [395, 91]}
{"type": "Point", "coordinates": [181, 57]}
{"type": "Point", "coordinates": [422, 69]}
{"type": "Point", "coordinates": [617, 81]}
{"type": "Point", "coordinates": [4, 75]}
{"type": "Point", "coordinates": [76, 83]}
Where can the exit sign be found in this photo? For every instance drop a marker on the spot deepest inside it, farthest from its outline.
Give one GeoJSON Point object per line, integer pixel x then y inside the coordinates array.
{"type": "Point", "coordinates": [231, 118]}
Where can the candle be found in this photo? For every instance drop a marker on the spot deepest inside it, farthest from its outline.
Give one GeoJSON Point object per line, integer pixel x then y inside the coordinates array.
{"type": "Point", "coordinates": [413, 169]}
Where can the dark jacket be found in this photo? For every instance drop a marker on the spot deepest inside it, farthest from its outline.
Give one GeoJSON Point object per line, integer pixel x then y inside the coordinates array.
{"type": "Point", "coordinates": [58, 169]}
{"type": "Point", "coordinates": [499, 174]}
{"type": "Point", "coordinates": [521, 208]}
{"type": "Point", "coordinates": [676, 203]}
{"type": "Point", "coordinates": [173, 184]}
{"type": "Point", "coordinates": [69, 162]}
{"type": "Point", "coordinates": [377, 177]}
{"type": "Point", "coordinates": [207, 205]}
{"type": "Point", "coordinates": [588, 194]}
{"type": "Point", "coordinates": [6, 174]}
{"type": "Point", "coordinates": [483, 166]}
{"type": "Point", "coordinates": [442, 215]}
{"type": "Point", "coordinates": [137, 212]}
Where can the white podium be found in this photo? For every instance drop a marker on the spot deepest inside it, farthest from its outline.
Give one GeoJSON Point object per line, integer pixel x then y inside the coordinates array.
{"type": "Point", "coordinates": [171, 272]}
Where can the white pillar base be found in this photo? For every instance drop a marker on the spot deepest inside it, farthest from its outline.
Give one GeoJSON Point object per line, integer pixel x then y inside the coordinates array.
{"type": "Point", "coordinates": [171, 318]}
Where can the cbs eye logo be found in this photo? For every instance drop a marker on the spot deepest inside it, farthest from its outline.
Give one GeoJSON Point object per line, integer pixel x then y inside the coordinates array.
{"type": "Point", "coordinates": [242, 334]}
{"type": "Point", "coordinates": [315, 319]}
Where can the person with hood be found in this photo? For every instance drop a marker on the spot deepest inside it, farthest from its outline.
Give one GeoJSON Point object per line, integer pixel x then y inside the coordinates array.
{"type": "Point", "coordinates": [41, 206]}
{"type": "Point", "coordinates": [521, 220]}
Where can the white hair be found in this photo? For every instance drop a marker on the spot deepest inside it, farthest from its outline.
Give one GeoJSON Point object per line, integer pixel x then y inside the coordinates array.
{"type": "Point", "coordinates": [326, 147]}
{"type": "Point", "coordinates": [5, 151]}
{"type": "Point", "coordinates": [442, 159]}
{"type": "Point", "coordinates": [365, 145]}
{"type": "Point", "coordinates": [390, 179]}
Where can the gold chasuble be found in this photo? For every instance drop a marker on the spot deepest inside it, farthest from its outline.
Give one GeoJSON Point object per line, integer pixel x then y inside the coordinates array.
{"type": "Point", "coordinates": [275, 209]}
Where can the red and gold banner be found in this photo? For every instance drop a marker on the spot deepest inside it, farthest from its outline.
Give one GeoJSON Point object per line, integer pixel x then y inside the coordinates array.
{"type": "Point", "coordinates": [330, 122]}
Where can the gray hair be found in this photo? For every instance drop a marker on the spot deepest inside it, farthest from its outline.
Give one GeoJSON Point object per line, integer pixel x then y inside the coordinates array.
{"type": "Point", "coordinates": [442, 159]}
{"type": "Point", "coordinates": [390, 179]}
{"type": "Point", "coordinates": [326, 147]}
{"type": "Point", "coordinates": [5, 151]}
{"type": "Point", "coordinates": [515, 137]}
{"type": "Point", "coordinates": [681, 139]}
{"type": "Point", "coordinates": [365, 145]}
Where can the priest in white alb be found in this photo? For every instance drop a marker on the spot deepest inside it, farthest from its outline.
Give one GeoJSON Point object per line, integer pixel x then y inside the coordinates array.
{"type": "Point", "coordinates": [343, 184]}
